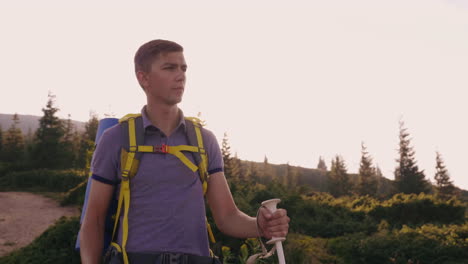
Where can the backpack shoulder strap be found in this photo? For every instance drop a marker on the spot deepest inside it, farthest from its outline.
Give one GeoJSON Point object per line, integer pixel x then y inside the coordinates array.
{"type": "Point", "coordinates": [195, 138]}
{"type": "Point", "coordinates": [132, 135]}
{"type": "Point", "coordinates": [135, 136]}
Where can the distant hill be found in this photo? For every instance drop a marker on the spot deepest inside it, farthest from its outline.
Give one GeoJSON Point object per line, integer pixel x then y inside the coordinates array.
{"type": "Point", "coordinates": [30, 123]}
{"type": "Point", "coordinates": [314, 178]}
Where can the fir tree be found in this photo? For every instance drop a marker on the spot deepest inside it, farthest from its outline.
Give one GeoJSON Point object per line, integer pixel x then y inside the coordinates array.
{"type": "Point", "coordinates": [76, 140]}
{"type": "Point", "coordinates": [339, 178]}
{"type": "Point", "coordinates": [67, 143]}
{"type": "Point", "coordinates": [13, 143]}
{"type": "Point", "coordinates": [235, 165]}
{"type": "Point", "coordinates": [226, 152]}
{"type": "Point", "coordinates": [47, 151]}
{"type": "Point", "coordinates": [321, 164]}
{"type": "Point", "coordinates": [267, 171]}
{"type": "Point", "coordinates": [444, 186]}
{"type": "Point", "coordinates": [408, 177]}
{"type": "Point", "coordinates": [91, 127]}
{"type": "Point", "coordinates": [367, 177]}
{"type": "Point", "coordinates": [87, 143]}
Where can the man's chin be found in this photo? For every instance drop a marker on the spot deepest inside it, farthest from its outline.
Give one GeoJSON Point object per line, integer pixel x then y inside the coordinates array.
{"type": "Point", "coordinates": [174, 101]}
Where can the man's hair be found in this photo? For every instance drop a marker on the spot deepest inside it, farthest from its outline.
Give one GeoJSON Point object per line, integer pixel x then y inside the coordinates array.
{"type": "Point", "coordinates": [150, 51]}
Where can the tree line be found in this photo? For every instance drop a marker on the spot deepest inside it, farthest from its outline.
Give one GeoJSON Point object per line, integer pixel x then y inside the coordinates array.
{"type": "Point", "coordinates": [56, 144]}
{"type": "Point", "coordinates": [409, 179]}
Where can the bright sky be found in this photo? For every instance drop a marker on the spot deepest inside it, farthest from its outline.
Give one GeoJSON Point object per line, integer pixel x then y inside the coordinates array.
{"type": "Point", "coordinates": [293, 80]}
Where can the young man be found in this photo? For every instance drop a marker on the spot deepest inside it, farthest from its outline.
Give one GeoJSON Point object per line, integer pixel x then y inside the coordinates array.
{"type": "Point", "coordinates": [167, 210]}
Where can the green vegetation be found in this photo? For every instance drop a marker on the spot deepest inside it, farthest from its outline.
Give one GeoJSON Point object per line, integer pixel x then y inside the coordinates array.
{"type": "Point", "coordinates": [42, 180]}
{"type": "Point", "coordinates": [337, 217]}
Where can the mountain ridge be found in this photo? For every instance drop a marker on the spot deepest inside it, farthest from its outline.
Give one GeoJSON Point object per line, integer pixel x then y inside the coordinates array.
{"type": "Point", "coordinates": [30, 123]}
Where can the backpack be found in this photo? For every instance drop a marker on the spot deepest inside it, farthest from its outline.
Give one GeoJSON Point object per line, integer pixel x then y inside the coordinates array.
{"type": "Point", "coordinates": [131, 152]}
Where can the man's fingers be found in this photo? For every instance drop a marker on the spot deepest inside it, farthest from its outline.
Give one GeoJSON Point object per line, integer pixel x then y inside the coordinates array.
{"type": "Point", "coordinates": [278, 221]}
{"type": "Point", "coordinates": [280, 213]}
{"type": "Point", "coordinates": [277, 231]}
{"type": "Point", "coordinates": [265, 212]}
{"type": "Point", "coordinates": [274, 224]}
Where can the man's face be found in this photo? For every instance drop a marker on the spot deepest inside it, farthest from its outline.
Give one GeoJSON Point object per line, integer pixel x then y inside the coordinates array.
{"type": "Point", "coordinates": [165, 81]}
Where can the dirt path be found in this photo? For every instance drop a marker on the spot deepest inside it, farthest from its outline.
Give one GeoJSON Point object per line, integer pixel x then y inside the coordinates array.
{"type": "Point", "coordinates": [24, 216]}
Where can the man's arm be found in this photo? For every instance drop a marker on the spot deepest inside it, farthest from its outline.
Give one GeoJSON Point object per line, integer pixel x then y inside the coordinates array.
{"type": "Point", "coordinates": [231, 221]}
{"type": "Point", "coordinates": [92, 228]}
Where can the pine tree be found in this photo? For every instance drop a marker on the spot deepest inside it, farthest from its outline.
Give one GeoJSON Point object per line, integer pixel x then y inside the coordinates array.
{"type": "Point", "coordinates": [13, 143]}
{"type": "Point", "coordinates": [86, 143]}
{"type": "Point", "coordinates": [76, 140]}
{"type": "Point", "coordinates": [367, 176]}
{"type": "Point", "coordinates": [226, 152]}
{"type": "Point", "coordinates": [267, 171]}
{"type": "Point", "coordinates": [236, 168]}
{"type": "Point", "coordinates": [321, 164]}
{"type": "Point", "coordinates": [408, 177]}
{"type": "Point", "coordinates": [47, 151]}
{"type": "Point", "coordinates": [339, 178]}
{"type": "Point", "coordinates": [444, 186]}
{"type": "Point", "coordinates": [91, 127]}
{"type": "Point", "coordinates": [67, 144]}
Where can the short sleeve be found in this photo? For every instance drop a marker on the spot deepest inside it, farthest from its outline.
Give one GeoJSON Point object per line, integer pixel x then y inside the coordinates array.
{"type": "Point", "coordinates": [105, 162]}
{"type": "Point", "coordinates": [215, 159]}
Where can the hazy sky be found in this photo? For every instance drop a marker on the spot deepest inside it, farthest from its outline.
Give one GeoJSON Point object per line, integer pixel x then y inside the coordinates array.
{"type": "Point", "coordinates": [293, 80]}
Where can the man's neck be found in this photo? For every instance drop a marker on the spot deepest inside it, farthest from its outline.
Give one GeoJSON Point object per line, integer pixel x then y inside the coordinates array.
{"type": "Point", "coordinates": [164, 117]}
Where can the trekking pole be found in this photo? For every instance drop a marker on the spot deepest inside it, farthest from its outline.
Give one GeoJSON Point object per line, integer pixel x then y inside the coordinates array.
{"type": "Point", "coordinates": [271, 206]}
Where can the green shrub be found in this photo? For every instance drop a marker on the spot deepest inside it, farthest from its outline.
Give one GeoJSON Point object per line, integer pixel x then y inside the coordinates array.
{"type": "Point", "coordinates": [306, 250]}
{"type": "Point", "coordinates": [319, 216]}
{"type": "Point", "coordinates": [41, 180]}
{"type": "Point", "coordinates": [427, 244]}
{"type": "Point", "coordinates": [55, 246]}
{"type": "Point", "coordinates": [411, 209]}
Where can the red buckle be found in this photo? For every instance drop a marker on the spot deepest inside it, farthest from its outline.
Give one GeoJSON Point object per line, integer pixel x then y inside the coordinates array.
{"type": "Point", "coordinates": [161, 149]}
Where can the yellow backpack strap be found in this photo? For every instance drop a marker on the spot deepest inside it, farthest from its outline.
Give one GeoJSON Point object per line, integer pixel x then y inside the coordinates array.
{"type": "Point", "coordinates": [195, 138]}
{"type": "Point", "coordinates": [133, 131]}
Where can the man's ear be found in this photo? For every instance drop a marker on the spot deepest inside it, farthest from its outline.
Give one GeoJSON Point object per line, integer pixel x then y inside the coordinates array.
{"type": "Point", "coordinates": [142, 78]}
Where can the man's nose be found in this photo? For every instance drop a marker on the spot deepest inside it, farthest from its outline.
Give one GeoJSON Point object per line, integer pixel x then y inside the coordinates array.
{"type": "Point", "coordinates": [180, 75]}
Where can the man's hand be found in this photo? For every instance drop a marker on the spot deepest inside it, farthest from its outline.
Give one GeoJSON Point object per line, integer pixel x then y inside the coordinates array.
{"type": "Point", "coordinates": [273, 225]}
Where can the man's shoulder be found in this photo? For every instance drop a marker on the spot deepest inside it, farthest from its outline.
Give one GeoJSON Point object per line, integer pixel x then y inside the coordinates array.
{"type": "Point", "coordinates": [208, 134]}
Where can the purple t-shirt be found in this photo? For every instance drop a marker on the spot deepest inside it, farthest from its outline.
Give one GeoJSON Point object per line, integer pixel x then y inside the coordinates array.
{"type": "Point", "coordinates": [167, 209]}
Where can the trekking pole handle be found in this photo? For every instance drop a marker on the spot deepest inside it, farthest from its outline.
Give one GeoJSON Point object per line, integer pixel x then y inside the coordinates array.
{"type": "Point", "coordinates": [271, 206]}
